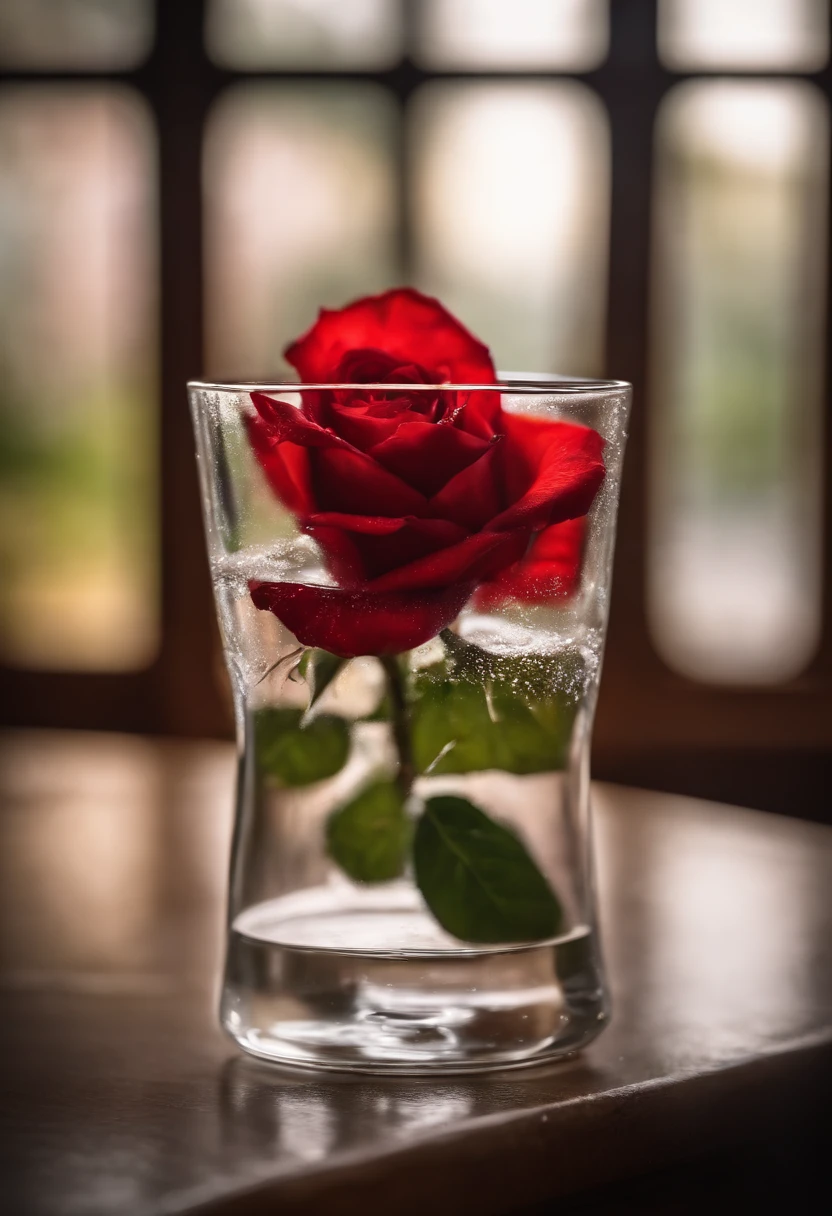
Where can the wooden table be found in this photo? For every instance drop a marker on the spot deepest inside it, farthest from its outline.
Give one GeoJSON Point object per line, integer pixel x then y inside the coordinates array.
{"type": "Point", "coordinates": [120, 1095]}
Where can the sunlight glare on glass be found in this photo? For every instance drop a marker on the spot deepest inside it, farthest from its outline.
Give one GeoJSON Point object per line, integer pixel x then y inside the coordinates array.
{"type": "Point", "coordinates": [517, 34]}
{"type": "Point", "coordinates": [744, 34]}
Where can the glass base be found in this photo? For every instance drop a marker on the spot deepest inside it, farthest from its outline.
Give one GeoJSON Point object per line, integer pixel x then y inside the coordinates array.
{"type": "Point", "coordinates": [365, 981]}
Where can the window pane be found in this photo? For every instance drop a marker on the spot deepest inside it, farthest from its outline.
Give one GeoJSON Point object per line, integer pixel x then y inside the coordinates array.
{"type": "Point", "coordinates": [304, 33]}
{"type": "Point", "coordinates": [737, 435]}
{"type": "Point", "coordinates": [75, 33]}
{"type": "Point", "coordinates": [512, 194]}
{"type": "Point", "coordinates": [300, 213]}
{"type": "Point", "coordinates": [570, 34]}
{"type": "Point", "coordinates": [744, 34]}
{"type": "Point", "coordinates": [77, 417]}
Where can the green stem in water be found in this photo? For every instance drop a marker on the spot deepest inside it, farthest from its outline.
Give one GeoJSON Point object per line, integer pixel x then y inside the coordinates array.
{"type": "Point", "coordinates": [400, 719]}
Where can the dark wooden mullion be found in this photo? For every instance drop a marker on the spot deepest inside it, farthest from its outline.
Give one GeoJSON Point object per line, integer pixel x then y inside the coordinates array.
{"type": "Point", "coordinates": [402, 81]}
{"type": "Point", "coordinates": [78, 700]}
{"type": "Point", "coordinates": [407, 74]}
{"type": "Point", "coordinates": [405, 202]}
{"type": "Point", "coordinates": [183, 86]}
{"type": "Point", "coordinates": [638, 86]}
{"type": "Point", "coordinates": [822, 667]}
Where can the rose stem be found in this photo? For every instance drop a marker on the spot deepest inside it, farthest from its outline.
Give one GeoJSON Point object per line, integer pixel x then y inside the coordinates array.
{"type": "Point", "coordinates": [401, 724]}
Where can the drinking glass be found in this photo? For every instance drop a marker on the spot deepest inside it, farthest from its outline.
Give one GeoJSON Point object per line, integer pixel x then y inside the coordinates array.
{"type": "Point", "coordinates": [411, 883]}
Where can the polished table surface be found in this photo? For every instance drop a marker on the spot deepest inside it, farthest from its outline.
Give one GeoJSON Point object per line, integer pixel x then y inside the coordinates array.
{"type": "Point", "coordinates": [119, 1093]}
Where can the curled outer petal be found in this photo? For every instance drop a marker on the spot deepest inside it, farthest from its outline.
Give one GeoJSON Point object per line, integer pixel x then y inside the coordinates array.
{"type": "Point", "coordinates": [401, 323]}
{"type": "Point", "coordinates": [549, 571]}
{"type": "Point", "coordinates": [350, 623]}
{"type": "Point", "coordinates": [552, 471]}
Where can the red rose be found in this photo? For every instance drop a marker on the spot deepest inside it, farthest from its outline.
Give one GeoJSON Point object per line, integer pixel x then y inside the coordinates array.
{"type": "Point", "coordinates": [548, 570]}
{"type": "Point", "coordinates": [414, 497]}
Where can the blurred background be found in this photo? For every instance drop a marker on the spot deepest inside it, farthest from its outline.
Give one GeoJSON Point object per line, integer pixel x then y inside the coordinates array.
{"type": "Point", "coordinates": [634, 188]}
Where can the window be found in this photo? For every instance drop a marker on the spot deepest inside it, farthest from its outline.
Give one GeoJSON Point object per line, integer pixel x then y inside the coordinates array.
{"type": "Point", "coordinates": [736, 510]}
{"type": "Point", "coordinates": [744, 35]}
{"type": "Point", "coordinates": [75, 34]}
{"type": "Point", "coordinates": [511, 230]}
{"type": "Point", "coordinates": [300, 197]}
{"type": "Point", "coordinates": [565, 35]}
{"type": "Point", "coordinates": [77, 379]}
{"type": "Point", "coordinates": [304, 33]}
{"type": "Point", "coordinates": [595, 188]}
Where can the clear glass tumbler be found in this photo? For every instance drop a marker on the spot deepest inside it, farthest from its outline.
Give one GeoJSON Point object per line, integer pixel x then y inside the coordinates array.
{"type": "Point", "coordinates": [414, 637]}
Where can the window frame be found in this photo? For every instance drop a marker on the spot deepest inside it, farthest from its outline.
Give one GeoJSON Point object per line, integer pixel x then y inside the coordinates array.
{"type": "Point", "coordinates": [646, 710]}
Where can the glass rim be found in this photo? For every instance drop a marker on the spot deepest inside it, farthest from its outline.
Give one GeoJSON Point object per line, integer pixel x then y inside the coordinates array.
{"type": "Point", "coordinates": [516, 382]}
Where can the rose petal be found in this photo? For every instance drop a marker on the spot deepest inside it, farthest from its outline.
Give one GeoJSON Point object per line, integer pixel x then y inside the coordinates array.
{"type": "Point", "coordinates": [345, 479]}
{"type": "Point", "coordinates": [475, 558]}
{"type": "Point", "coordinates": [426, 455]}
{"type": "Point", "coordinates": [366, 423]}
{"type": "Point", "coordinates": [286, 422]}
{"type": "Point", "coordinates": [370, 525]}
{"type": "Point", "coordinates": [285, 464]}
{"type": "Point", "coordinates": [417, 539]}
{"type": "Point", "coordinates": [373, 366]}
{"type": "Point", "coordinates": [560, 545]}
{"type": "Point", "coordinates": [552, 471]}
{"type": "Point", "coordinates": [341, 554]}
{"type": "Point", "coordinates": [348, 623]}
{"type": "Point", "coordinates": [471, 498]}
{"type": "Point", "coordinates": [480, 413]}
{"type": "Point", "coordinates": [550, 570]}
{"type": "Point", "coordinates": [401, 323]}
{"type": "Point", "coordinates": [384, 544]}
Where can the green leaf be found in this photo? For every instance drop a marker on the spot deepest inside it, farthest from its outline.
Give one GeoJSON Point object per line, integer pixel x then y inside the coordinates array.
{"type": "Point", "coordinates": [369, 838]}
{"type": "Point", "coordinates": [320, 668]}
{"type": "Point", "coordinates": [296, 754]}
{"type": "Point", "coordinates": [537, 676]}
{"type": "Point", "coordinates": [465, 726]}
{"type": "Point", "coordinates": [478, 878]}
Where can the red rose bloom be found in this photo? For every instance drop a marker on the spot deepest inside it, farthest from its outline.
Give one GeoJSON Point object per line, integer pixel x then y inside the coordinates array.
{"type": "Point", "coordinates": [548, 570]}
{"type": "Point", "coordinates": [414, 497]}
